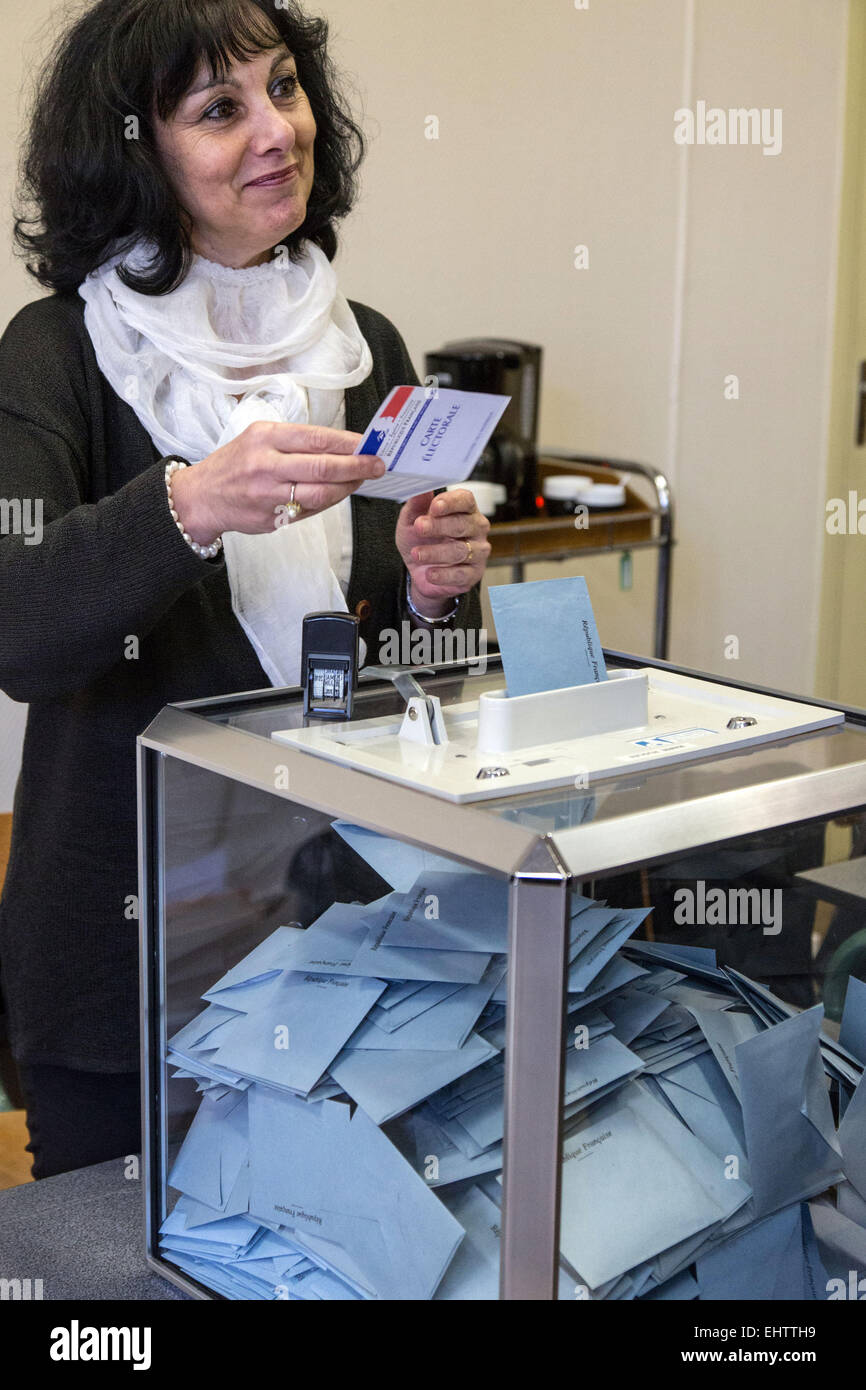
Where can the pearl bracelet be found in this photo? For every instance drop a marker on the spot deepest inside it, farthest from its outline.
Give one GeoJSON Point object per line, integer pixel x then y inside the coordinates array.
{"type": "Point", "coordinates": [207, 552]}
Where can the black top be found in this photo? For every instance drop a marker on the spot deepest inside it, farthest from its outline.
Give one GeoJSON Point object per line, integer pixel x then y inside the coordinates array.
{"type": "Point", "coordinates": [112, 565]}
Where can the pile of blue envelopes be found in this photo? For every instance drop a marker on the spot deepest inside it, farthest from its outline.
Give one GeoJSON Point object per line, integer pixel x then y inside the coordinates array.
{"type": "Point", "coordinates": [348, 1143]}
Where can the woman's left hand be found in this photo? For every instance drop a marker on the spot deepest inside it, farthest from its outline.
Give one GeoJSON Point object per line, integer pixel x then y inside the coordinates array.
{"type": "Point", "coordinates": [442, 538]}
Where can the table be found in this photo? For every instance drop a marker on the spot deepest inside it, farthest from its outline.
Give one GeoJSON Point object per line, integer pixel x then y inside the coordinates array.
{"type": "Point", "coordinates": [82, 1234]}
{"type": "Point", "coordinates": [634, 526]}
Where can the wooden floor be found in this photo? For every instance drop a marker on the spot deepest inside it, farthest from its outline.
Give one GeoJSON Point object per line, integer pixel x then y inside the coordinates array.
{"type": "Point", "coordinates": [5, 836]}
{"type": "Point", "coordinates": [14, 1161]}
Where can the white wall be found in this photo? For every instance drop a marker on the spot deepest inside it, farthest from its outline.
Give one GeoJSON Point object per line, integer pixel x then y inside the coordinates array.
{"type": "Point", "coordinates": [556, 129]}
{"type": "Point", "coordinates": [760, 288]}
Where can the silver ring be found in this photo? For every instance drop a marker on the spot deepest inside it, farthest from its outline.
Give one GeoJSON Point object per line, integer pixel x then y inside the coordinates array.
{"type": "Point", "coordinates": [293, 508]}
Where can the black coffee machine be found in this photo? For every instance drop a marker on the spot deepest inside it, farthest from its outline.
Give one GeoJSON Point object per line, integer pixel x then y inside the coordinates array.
{"type": "Point", "coordinates": [504, 368]}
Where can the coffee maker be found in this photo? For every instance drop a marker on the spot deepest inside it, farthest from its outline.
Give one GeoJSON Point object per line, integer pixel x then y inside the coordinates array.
{"type": "Point", "coordinates": [505, 368]}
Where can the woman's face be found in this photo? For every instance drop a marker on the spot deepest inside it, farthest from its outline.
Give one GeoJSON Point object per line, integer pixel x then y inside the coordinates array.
{"type": "Point", "coordinates": [226, 135]}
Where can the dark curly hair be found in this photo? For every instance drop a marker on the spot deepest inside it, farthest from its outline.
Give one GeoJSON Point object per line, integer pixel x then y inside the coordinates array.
{"type": "Point", "coordinates": [96, 192]}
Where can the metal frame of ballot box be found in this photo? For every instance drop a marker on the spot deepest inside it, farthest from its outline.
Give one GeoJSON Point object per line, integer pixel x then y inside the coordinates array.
{"type": "Point", "coordinates": [667, 810]}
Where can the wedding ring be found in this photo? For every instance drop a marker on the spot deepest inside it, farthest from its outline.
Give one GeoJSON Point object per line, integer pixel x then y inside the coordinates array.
{"type": "Point", "coordinates": [293, 508]}
{"type": "Point", "coordinates": [468, 545]}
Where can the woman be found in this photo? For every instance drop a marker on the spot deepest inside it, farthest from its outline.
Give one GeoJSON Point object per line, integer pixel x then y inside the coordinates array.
{"type": "Point", "coordinates": [195, 320]}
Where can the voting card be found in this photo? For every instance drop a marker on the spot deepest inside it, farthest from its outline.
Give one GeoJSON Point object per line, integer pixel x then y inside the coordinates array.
{"type": "Point", "coordinates": [428, 438]}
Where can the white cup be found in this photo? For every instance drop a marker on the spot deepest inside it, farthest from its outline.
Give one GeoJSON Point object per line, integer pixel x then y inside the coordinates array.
{"type": "Point", "coordinates": [564, 487]}
{"type": "Point", "coordinates": [603, 495]}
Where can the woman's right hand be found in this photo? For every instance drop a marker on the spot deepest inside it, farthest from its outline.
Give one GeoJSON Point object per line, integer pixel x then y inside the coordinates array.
{"type": "Point", "coordinates": [243, 485]}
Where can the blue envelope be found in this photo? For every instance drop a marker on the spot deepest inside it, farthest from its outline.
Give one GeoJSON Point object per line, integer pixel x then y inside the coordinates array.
{"type": "Point", "coordinates": [387, 1083]}
{"type": "Point", "coordinates": [703, 1100]}
{"type": "Point", "coordinates": [295, 1151]}
{"type": "Point", "coordinates": [397, 863]}
{"type": "Point", "coordinates": [420, 1137]}
{"type": "Point", "coordinates": [851, 1204]}
{"type": "Point", "coordinates": [195, 1034]}
{"type": "Point", "coordinates": [306, 1020]}
{"type": "Point", "coordinates": [633, 1012]}
{"type": "Point", "coordinates": [597, 952]}
{"type": "Point", "coordinates": [412, 1006]}
{"type": "Point", "coordinates": [587, 1070]}
{"type": "Point", "coordinates": [852, 1033]}
{"type": "Point", "coordinates": [680, 1287]}
{"type": "Point", "coordinates": [852, 1139]}
{"type": "Point", "coordinates": [790, 1136]}
{"type": "Point", "coordinates": [474, 1271]}
{"type": "Point", "coordinates": [266, 960]}
{"type": "Point", "coordinates": [769, 1260]}
{"type": "Point", "coordinates": [213, 1152]}
{"type": "Point", "coordinates": [547, 635]}
{"type": "Point", "coordinates": [443, 1028]}
{"type": "Point", "coordinates": [348, 940]}
{"type": "Point", "coordinates": [612, 977]}
{"type": "Point", "coordinates": [725, 1030]}
{"type": "Point", "coordinates": [471, 913]}
{"type": "Point", "coordinates": [842, 1248]}
{"type": "Point", "coordinates": [634, 1181]}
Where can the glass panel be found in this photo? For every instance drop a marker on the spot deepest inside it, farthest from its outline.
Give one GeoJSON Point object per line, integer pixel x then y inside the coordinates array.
{"type": "Point", "coordinates": [260, 717]}
{"type": "Point", "coordinates": [715, 1096]}
{"type": "Point", "coordinates": [675, 963]}
{"type": "Point", "coordinates": [559, 810]}
{"type": "Point", "coordinates": [333, 1096]}
{"type": "Point", "coordinates": [608, 799]}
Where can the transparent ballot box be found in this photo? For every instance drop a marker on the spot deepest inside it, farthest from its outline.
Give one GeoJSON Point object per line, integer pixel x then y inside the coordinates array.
{"type": "Point", "coordinates": [469, 998]}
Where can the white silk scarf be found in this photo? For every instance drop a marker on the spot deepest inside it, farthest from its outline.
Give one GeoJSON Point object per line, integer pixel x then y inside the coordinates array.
{"type": "Point", "coordinates": [283, 335]}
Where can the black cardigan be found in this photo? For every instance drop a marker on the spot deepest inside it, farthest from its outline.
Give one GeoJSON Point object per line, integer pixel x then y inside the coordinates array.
{"type": "Point", "coordinates": [112, 565]}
